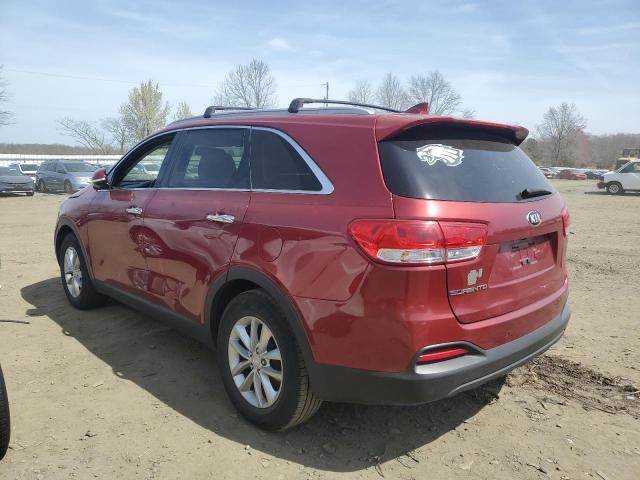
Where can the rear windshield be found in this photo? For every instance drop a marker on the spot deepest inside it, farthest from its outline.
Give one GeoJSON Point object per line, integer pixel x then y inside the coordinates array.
{"type": "Point", "coordinates": [78, 167]}
{"type": "Point", "coordinates": [479, 169]}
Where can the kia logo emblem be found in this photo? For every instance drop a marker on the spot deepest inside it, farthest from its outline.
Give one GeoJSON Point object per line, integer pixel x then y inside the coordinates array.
{"type": "Point", "coordinates": [534, 218]}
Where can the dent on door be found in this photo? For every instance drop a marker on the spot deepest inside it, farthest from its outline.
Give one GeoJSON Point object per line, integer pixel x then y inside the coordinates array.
{"type": "Point", "coordinates": [116, 244]}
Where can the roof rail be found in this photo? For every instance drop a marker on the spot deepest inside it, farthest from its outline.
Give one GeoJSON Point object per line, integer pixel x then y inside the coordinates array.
{"type": "Point", "coordinates": [297, 103]}
{"type": "Point", "coordinates": [215, 108]}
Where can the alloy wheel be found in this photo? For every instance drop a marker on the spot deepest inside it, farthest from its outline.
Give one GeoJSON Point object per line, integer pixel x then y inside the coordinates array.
{"type": "Point", "coordinates": [72, 272]}
{"type": "Point", "coordinates": [255, 362]}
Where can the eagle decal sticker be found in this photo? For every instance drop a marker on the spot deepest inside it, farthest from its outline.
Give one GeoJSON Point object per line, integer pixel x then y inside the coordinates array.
{"type": "Point", "coordinates": [435, 152]}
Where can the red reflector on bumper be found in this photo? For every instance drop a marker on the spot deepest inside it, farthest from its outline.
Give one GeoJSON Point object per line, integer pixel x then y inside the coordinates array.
{"type": "Point", "coordinates": [442, 354]}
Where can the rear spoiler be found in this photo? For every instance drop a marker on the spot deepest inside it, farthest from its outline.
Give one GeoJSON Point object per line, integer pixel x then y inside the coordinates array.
{"type": "Point", "coordinates": [389, 126]}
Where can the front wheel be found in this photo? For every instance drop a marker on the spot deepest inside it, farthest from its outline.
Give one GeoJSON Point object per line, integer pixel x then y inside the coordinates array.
{"type": "Point", "coordinates": [41, 187]}
{"type": "Point", "coordinates": [262, 368]}
{"type": "Point", "coordinates": [67, 187]}
{"type": "Point", "coordinates": [614, 188]}
{"type": "Point", "coordinates": [5, 422]}
{"type": "Point", "coordinates": [76, 281]}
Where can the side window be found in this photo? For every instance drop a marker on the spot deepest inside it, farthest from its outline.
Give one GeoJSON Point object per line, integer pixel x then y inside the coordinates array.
{"type": "Point", "coordinates": [276, 165]}
{"type": "Point", "coordinates": [143, 170]}
{"type": "Point", "coordinates": [212, 158]}
{"type": "Point", "coordinates": [60, 168]}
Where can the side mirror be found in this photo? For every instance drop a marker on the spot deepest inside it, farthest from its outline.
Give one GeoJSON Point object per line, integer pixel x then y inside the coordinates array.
{"type": "Point", "coordinates": [99, 179]}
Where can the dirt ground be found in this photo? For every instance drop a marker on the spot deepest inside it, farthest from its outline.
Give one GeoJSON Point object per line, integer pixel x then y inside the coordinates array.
{"type": "Point", "coordinates": [111, 393]}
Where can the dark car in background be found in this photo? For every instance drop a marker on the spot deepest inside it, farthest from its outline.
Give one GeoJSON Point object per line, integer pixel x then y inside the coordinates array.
{"type": "Point", "coordinates": [67, 175]}
{"type": "Point", "coordinates": [5, 424]}
{"type": "Point", "coordinates": [12, 181]}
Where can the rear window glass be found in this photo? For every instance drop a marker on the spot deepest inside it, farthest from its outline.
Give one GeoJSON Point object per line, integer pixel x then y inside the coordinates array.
{"type": "Point", "coordinates": [275, 165]}
{"type": "Point", "coordinates": [478, 169]}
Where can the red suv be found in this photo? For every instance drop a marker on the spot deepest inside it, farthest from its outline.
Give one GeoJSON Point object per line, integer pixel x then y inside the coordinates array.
{"type": "Point", "coordinates": [329, 253]}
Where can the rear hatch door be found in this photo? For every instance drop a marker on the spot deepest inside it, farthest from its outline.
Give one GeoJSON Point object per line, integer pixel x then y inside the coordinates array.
{"type": "Point", "coordinates": [462, 173]}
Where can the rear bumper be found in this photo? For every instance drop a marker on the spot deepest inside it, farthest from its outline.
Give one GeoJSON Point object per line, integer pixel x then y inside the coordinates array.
{"type": "Point", "coordinates": [427, 383]}
{"type": "Point", "coordinates": [16, 190]}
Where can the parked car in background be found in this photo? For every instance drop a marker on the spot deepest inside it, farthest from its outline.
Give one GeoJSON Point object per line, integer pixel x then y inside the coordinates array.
{"type": "Point", "coordinates": [67, 175]}
{"type": "Point", "coordinates": [409, 259]}
{"type": "Point", "coordinates": [594, 174]}
{"type": "Point", "coordinates": [13, 181]}
{"type": "Point", "coordinates": [568, 174]}
{"type": "Point", "coordinates": [547, 172]}
{"type": "Point", "coordinates": [5, 422]}
{"type": "Point", "coordinates": [28, 169]}
{"type": "Point", "coordinates": [624, 179]}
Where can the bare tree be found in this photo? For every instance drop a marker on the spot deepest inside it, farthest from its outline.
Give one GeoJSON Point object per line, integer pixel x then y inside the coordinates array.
{"type": "Point", "coordinates": [182, 111]}
{"type": "Point", "coordinates": [250, 85]}
{"type": "Point", "coordinates": [85, 133]}
{"type": "Point", "coordinates": [362, 92]}
{"type": "Point", "coordinates": [117, 129]}
{"type": "Point", "coordinates": [5, 115]}
{"type": "Point", "coordinates": [468, 113]}
{"type": "Point", "coordinates": [390, 93]}
{"type": "Point", "coordinates": [145, 111]}
{"type": "Point", "coordinates": [434, 89]}
{"type": "Point", "coordinates": [560, 126]}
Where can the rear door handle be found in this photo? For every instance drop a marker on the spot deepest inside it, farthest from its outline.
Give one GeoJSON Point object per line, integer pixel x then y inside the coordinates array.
{"type": "Point", "coordinates": [221, 218]}
{"type": "Point", "coordinates": [134, 210]}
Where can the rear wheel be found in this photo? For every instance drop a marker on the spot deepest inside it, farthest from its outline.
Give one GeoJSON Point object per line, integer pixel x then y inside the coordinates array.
{"type": "Point", "coordinates": [67, 187]}
{"type": "Point", "coordinates": [42, 187]}
{"type": "Point", "coordinates": [5, 422]}
{"type": "Point", "coordinates": [262, 368]}
{"type": "Point", "coordinates": [29, 194]}
{"type": "Point", "coordinates": [76, 281]}
{"type": "Point", "coordinates": [614, 188]}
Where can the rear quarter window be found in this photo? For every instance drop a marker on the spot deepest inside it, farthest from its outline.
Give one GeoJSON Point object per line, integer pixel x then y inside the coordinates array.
{"type": "Point", "coordinates": [459, 167]}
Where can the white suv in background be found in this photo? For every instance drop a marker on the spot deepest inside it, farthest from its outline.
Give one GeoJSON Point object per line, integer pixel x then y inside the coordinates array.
{"type": "Point", "coordinates": [623, 179]}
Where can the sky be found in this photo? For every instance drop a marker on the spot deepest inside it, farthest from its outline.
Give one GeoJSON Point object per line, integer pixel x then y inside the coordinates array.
{"type": "Point", "coordinates": [510, 61]}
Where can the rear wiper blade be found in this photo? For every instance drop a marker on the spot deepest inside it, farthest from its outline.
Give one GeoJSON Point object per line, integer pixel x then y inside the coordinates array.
{"type": "Point", "coordinates": [526, 193]}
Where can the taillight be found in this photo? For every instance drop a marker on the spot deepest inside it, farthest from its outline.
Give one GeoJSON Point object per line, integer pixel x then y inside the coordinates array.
{"type": "Point", "coordinates": [463, 240]}
{"type": "Point", "coordinates": [566, 221]}
{"type": "Point", "coordinates": [418, 242]}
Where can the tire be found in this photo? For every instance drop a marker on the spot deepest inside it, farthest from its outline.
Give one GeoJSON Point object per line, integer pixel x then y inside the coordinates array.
{"type": "Point", "coordinates": [67, 187]}
{"type": "Point", "coordinates": [5, 420]}
{"type": "Point", "coordinates": [41, 186]}
{"type": "Point", "coordinates": [30, 194]}
{"type": "Point", "coordinates": [78, 287]}
{"type": "Point", "coordinates": [614, 188]}
{"type": "Point", "coordinates": [294, 403]}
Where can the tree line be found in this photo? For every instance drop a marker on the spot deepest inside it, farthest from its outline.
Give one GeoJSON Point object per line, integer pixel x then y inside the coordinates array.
{"type": "Point", "coordinates": [559, 140]}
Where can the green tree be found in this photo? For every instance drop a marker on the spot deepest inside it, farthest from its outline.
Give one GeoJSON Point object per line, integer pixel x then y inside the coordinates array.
{"type": "Point", "coordinates": [182, 111]}
{"type": "Point", "coordinates": [145, 112]}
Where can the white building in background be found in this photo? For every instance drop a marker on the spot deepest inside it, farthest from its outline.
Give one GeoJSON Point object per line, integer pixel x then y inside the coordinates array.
{"type": "Point", "coordinates": [9, 158]}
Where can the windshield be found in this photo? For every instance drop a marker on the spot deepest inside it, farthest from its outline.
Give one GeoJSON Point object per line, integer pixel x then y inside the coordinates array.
{"type": "Point", "coordinates": [74, 167]}
{"type": "Point", "coordinates": [9, 171]}
{"type": "Point", "coordinates": [461, 169]}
